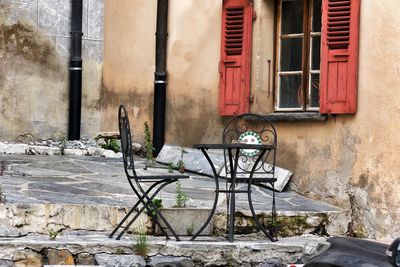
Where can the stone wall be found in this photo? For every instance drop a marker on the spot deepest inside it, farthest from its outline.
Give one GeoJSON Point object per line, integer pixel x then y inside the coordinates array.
{"type": "Point", "coordinates": [34, 49]}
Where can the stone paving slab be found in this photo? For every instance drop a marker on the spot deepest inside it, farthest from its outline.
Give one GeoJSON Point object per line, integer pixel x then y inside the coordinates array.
{"type": "Point", "coordinates": [193, 158]}
{"type": "Point", "coordinates": [102, 181]}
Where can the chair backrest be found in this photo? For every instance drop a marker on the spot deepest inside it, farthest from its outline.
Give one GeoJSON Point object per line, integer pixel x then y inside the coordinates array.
{"type": "Point", "coordinates": [253, 129]}
{"type": "Point", "coordinates": [126, 142]}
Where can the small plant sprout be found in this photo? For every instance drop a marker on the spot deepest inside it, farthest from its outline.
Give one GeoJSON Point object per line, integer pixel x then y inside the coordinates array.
{"type": "Point", "coordinates": [52, 234]}
{"type": "Point", "coordinates": [157, 203]}
{"type": "Point", "coordinates": [181, 164]}
{"type": "Point", "coordinates": [142, 244]}
{"type": "Point", "coordinates": [181, 196]}
{"type": "Point", "coordinates": [230, 260]}
{"type": "Point", "coordinates": [148, 145]}
{"type": "Point", "coordinates": [190, 229]}
{"type": "Point", "coordinates": [62, 145]}
{"type": "Point", "coordinates": [111, 144]}
{"type": "Point", "coordinates": [171, 168]}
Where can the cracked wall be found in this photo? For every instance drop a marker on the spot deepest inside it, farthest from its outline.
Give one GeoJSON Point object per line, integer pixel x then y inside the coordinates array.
{"type": "Point", "coordinates": [34, 49]}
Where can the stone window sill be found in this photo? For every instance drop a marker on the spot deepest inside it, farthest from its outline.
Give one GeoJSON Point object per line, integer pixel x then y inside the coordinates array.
{"type": "Point", "coordinates": [296, 116]}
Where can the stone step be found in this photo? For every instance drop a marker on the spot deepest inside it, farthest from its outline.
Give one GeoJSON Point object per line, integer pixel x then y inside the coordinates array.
{"type": "Point", "coordinates": [62, 193]}
{"type": "Point", "coordinates": [82, 248]}
{"type": "Point", "coordinates": [19, 219]}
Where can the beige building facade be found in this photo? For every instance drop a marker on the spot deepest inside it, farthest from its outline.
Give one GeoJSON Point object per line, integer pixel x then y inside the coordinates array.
{"type": "Point", "coordinates": [349, 160]}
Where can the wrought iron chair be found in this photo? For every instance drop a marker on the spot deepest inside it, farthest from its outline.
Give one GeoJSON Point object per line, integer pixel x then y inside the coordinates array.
{"type": "Point", "coordinates": [252, 166]}
{"type": "Point", "coordinates": [155, 180]}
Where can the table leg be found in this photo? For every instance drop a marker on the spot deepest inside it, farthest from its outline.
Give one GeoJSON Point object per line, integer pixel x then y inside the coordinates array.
{"type": "Point", "coordinates": [233, 167]}
{"type": "Point", "coordinates": [215, 200]}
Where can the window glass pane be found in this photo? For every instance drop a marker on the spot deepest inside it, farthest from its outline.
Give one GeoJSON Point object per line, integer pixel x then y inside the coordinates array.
{"type": "Point", "coordinates": [316, 16]}
{"type": "Point", "coordinates": [292, 16]}
{"type": "Point", "coordinates": [314, 93]}
{"type": "Point", "coordinates": [290, 95]}
{"type": "Point", "coordinates": [315, 52]}
{"type": "Point", "coordinates": [291, 54]}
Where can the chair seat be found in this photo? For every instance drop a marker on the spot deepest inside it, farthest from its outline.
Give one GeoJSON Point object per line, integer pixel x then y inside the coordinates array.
{"type": "Point", "coordinates": [254, 180]}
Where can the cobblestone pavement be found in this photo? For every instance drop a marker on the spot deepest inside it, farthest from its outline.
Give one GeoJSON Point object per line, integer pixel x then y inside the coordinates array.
{"type": "Point", "coordinates": [97, 180]}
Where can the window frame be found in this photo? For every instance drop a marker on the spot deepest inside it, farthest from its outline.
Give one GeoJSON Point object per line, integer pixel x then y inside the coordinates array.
{"type": "Point", "coordinates": [306, 68]}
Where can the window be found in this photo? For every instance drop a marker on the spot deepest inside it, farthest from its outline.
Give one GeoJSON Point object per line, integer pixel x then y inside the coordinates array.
{"type": "Point", "coordinates": [298, 55]}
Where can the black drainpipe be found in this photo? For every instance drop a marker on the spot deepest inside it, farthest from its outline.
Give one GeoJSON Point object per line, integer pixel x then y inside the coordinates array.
{"type": "Point", "coordinates": [75, 72]}
{"type": "Point", "coordinates": [160, 76]}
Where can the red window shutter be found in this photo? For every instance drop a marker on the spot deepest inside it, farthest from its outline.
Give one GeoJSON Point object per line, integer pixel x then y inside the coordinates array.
{"type": "Point", "coordinates": [234, 67]}
{"type": "Point", "coordinates": [339, 56]}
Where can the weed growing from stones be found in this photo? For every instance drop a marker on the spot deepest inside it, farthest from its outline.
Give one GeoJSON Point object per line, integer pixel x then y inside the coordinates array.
{"type": "Point", "coordinates": [190, 229]}
{"type": "Point", "coordinates": [230, 260]}
{"type": "Point", "coordinates": [157, 203]}
{"type": "Point", "coordinates": [62, 145]}
{"type": "Point", "coordinates": [181, 164]}
{"type": "Point", "coordinates": [148, 145]}
{"type": "Point", "coordinates": [142, 244]}
{"type": "Point", "coordinates": [111, 144]}
{"type": "Point", "coordinates": [171, 168]}
{"type": "Point", "coordinates": [181, 196]}
{"type": "Point", "coordinates": [52, 234]}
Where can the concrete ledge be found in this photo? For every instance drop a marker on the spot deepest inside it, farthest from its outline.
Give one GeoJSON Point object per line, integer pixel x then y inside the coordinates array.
{"type": "Point", "coordinates": [293, 117]}
{"type": "Point", "coordinates": [203, 252]}
{"type": "Point", "coordinates": [21, 219]}
{"type": "Point", "coordinates": [187, 221]}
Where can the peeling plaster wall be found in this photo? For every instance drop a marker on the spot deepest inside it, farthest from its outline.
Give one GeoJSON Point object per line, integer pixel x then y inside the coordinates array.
{"type": "Point", "coordinates": [194, 33]}
{"type": "Point", "coordinates": [350, 160]}
{"type": "Point", "coordinates": [34, 83]}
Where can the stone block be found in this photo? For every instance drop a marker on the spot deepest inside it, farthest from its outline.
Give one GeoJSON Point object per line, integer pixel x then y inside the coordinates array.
{"type": "Point", "coordinates": [194, 159]}
{"type": "Point", "coordinates": [27, 257]}
{"type": "Point", "coordinates": [282, 175]}
{"type": "Point", "coordinates": [186, 221]}
{"type": "Point", "coordinates": [43, 150]}
{"type": "Point", "coordinates": [272, 262]}
{"type": "Point", "coordinates": [109, 260]}
{"type": "Point", "coordinates": [54, 17]}
{"type": "Point", "coordinates": [63, 45]}
{"type": "Point", "coordinates": [74, 152]}
{"type": "Point", "coordinates": [6, 263]}
{"type": "Point", "coordinates": [85, 259]}
{"type": "Point", "coordinates": [59, 257]}
{"type": "Point", "coordinates": [107, 135]}
{"type": "Point", "coordinates": [92, 49]}
{"type": "Point", "coordinates": [95, 19]}
{"type": "Point", "coordinates": [111, 154]}
{"type": "Point", "coordinates": [170, 261]}
{"type": "Point", "coordinates": [13, 148]}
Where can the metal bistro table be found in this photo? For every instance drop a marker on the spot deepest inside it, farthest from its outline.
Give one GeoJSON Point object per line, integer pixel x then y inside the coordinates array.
{"type": "Point", "coordinates": [232, 154]}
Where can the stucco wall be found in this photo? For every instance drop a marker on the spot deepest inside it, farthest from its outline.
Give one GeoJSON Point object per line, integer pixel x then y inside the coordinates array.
{"type": "Point", "coordinates": [34, 84]}
{"type": "Point", "coordinates": [350, 161]}
{"type": "Point", "coordinates": [193, 56]}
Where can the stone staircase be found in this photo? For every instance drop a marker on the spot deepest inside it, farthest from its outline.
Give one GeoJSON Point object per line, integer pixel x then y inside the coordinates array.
{"type": "Point", "coordinates": [83, 198]}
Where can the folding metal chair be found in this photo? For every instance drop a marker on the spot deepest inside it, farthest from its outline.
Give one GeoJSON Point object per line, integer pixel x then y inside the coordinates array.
{"type": "Point", "coordinates": [156, 182]}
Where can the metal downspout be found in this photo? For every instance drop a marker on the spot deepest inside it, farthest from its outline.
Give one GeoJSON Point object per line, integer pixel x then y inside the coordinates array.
{"type": "Point", "coordinates": [75, 72]}
{"type": "Point", "coordinates": [160, 76]}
